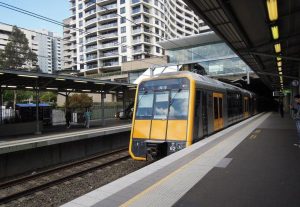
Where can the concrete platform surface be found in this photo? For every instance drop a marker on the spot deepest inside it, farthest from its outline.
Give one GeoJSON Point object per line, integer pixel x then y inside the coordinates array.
{"type": "Point", "coordinates": [29, 142]}
{"type": "Point", "coordinates": [176, 177]}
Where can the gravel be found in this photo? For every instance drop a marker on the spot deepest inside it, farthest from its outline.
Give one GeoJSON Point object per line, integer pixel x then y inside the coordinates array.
{"type": "Point", "coordinates": [69, 190]}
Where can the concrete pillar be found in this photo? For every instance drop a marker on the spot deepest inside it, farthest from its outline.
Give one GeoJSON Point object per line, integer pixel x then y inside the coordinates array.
{"type": "Point", "coordinates": [1, 103]}
{"type": "Point", "coordinates": [37, 100]}
{"type": "Point", "coordinates": [103, 94]}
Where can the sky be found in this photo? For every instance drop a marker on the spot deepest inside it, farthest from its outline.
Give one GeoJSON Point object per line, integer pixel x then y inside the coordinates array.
{"type": "Point", "coordinates": [54, 9]}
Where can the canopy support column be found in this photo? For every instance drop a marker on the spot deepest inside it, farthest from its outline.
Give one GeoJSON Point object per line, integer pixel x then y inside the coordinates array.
{"type": "Point", "coordinates": [103, 94]}
{"type": "Point", "coordinates": [37, 100]}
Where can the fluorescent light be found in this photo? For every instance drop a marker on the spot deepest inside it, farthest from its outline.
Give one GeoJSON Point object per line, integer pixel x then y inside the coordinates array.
{"type": "Point", "coordinates": [11, 86]}
{"type": "Point", "coordinates": [1, 73]}
{"type": "Point", "coordinates": [279, 68]}
{"type": "Point", "coordinates": [28, 76]}
{"type": "Point", "coordinates": [280, 73]}
{"type": "Point", "coordinates": [80, 81]}
{"type": "Point", "coordinates": [99, 83]}
{"type": "Point", "coordinates": [52, 88]}
{"type": "Point", "coordinates": [29, 87]}
{"type": "Point", "coordinates": [279, 64]}
{"type": "Point", "coordinates": [279, 58]}
{"type": "Point", "coordinates": [86, 90]}
{"type": "Point", "coordinates": [272, 10]}
{"type": "Point", "coordinates": [275, 32]}
{"type": "Point", "coordinates": [112, 92]}
{"type": "Point", "coordinates": [277, 48]}
{"type": "Point", "coordinates": [60, 79]}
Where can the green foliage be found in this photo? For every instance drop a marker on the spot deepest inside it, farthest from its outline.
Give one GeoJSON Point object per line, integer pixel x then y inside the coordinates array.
{"type": "Point", "coordinates": [79, 101]}
{"type": "Point", "coordinates": [17, 52]}
{"type": "Point", "coordinates": [48, 97]}
{"type": "Point", "coordinates": [8, 95]}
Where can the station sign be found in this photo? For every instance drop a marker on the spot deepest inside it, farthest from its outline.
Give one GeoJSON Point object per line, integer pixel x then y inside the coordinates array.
{"type": "Point", "coordinates": [278, 93]}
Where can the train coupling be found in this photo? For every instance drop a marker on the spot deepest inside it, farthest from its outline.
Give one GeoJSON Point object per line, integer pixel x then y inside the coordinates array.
{"type": "Point", "coordinates": [156, 149]}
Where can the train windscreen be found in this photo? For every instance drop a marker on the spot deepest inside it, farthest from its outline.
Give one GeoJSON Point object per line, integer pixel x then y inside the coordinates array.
{"type": "Point", "coordinates": [163, 99]}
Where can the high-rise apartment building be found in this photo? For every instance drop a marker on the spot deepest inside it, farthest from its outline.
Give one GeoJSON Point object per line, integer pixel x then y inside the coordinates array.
{"type": "Point", "coordinates": [45, 44]}
{"type": "Point", "coordinates": [104, 33]}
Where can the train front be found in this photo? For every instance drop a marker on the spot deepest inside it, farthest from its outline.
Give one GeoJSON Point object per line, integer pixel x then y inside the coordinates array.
{"type": "Point", "coordinates": [162, 122]}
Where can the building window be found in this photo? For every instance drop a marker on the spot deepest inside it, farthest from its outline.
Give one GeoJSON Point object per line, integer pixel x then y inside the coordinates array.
{"type": "Point", "coordinates": [124, 49]}
{"type": "Point", "coordinates": [123, 29]}
{"type": "Point", "coordinates": [158, 49]}
{"type": "Point", "coordinates": [122, 10]}
{"type": "Point", "coordinates": [122, 2]}
{"type": "Point", "coordinates": [124, 59]}
{"type": "Point", "coordinates": [80, 15]}
{"type": "Point", "coordinates": [123, 39]}
{"type": "Point", "coordinates": [80, 6]}
{"type": "Point", "coordinates": [123, 20]}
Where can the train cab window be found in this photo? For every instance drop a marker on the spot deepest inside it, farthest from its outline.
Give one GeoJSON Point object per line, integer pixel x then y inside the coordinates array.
{"type": "Point", "coordinates": [220, 107]}
{"type": "Point", "coordinates": [179, 104]}
{"type": "Point", "coordinates": [145, 106]}
{"type": "Point", "coordinates": [161, 105]}
{"type": "Point", "coordinates": [216, 108]}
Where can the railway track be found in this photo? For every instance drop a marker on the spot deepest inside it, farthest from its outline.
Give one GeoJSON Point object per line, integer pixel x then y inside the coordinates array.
{"type": "Point", "coordinates": [28, 185]}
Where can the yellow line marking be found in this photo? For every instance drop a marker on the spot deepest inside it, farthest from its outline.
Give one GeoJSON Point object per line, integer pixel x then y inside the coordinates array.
{"type": "Point", "coordinates": [257, 131]}
{"type": "Point", "coordinates": [252, 136]}
{"type": "Point", "coordinates": [138, 196]}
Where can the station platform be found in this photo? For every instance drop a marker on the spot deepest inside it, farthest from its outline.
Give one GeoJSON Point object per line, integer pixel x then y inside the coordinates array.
{"type": "Point", "coordinates": [252, 163]}
{"type": "Point", "coordinates": [60, 134]}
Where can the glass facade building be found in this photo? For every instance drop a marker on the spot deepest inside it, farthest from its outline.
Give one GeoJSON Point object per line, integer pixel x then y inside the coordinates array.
{"type": "Point", "coordinates": [214, 56]}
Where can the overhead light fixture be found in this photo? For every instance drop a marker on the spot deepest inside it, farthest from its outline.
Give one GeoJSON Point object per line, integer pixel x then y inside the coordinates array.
{"type": "Point", "coordinates": [52, 88]}
{"type": "Point", "coordinates": [28, 76]}
{"type": "Point", "coordinates": [69, 89]}
{"type": "Point", "coordinates": [1, 73]}
{"type": "Point", "coordinates": [272, 10]}
{"type": "Point", "coordinates": [60, 79]}
{"type": "Point", "coordinates": [279, 68]}
{"type": "Point", "coordinates": [11, 86]}
{"type": "Point", "coordinates": [280, 73]}
{"type": "Point", "coordinates": [99, 83]}
{"type": "Point", "coordinates": [279, 58]}
{"type": "Point", "coordinates": [29, 87]}
{"type": "Point", "coordinates": [275, 32]}
{"type": "Point", "coordinates": [277, 48]}
{"type": "Point", "coordinates": [80, 81]}
{"type": "Point", "coordinates": [279, 64]}
{"type": "Point", "coordinates": [86, 90]}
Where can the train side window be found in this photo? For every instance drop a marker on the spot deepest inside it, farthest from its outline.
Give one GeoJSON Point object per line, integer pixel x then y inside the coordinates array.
{"type": "Point", "coordinates": [220, 107]}
{"type": "Point", "coordinates": [216, 107]}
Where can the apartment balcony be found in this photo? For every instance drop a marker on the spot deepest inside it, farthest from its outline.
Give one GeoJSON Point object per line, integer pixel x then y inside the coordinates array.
{"type": "Point", "coordinates": [107, 8]}
{"type": "Point", "coordinates": [91, 39]}
{"type": "Point", "coordinates": [91, 58]}
{"type": "Point", "coordinates": [137, 31]}
{"type": "Point", "coordinates": [74, 54]}
{"type": "Point", "coordinates": [92, 30]}
{"type": "Point", "coordinates": [109, 45]}
{"type": "Point", "coordinates": [91, 21]}
{"type": "Point", "coordinates": [90, 4]}
{"type": "Point", "coordinates": [93, 66]}
{"type": "Point", "coordinates": [108, 26]}
{"type": "Point", "coordinates": [109, 55]}
{"type": "Point", "coordinates": [140, 51]}
{"type": "Point", "coordinates": [109, 36]}
{"type": "Point", "coordinates": [105, 1]}
{"type": "Point", "coordinates": [90, 13]}
{"type": "Point", "coordinates": [92, 48]}
{"type": "Point", "coordinates": [110, 64]}
{"type": "Point", "coordinates": [108, 17]}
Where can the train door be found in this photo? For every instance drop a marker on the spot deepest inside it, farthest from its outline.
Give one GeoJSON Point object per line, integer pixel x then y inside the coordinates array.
{"type": "Point", "coordinates": [204, 113]}
{"type": "Point", "coordinates": [246, 107]}
{"type": "Point", "coordinates": [218, 111]}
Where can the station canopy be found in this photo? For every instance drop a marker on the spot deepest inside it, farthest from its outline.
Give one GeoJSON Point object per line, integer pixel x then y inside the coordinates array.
{"type": "Point", "coordinates": [264, 33]}
{"type": "Point", "coordinates": [22, 80]}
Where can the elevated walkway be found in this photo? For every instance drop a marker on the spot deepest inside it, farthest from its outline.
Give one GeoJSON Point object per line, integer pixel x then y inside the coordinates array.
{"type": "Point", "coordinates": [253, 163]}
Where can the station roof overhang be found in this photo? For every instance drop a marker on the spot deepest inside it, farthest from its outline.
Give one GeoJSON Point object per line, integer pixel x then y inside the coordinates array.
{"type": "Point", "coordinates": [246, 27]}
{"type": "Point", "coordinates": [22, 80]}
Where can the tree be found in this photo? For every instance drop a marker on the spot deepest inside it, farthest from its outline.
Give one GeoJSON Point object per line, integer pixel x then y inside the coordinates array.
{"type": "Point", "coordinates": [48, 97]}
{"type": "Point", "coordinates": [80, 101]}
{"type": "Point", "coordinates": [21, 96]}
{"type": "Point", "coordinates": [17, 52]}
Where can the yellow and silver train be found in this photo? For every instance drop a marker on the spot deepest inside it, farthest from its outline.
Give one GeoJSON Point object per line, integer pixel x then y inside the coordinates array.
{"type": "Point", "coordinates": [174, 110]}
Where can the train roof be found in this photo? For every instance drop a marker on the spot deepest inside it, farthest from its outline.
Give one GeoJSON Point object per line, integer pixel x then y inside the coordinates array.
{"type": "Point", "coordinates": [203, 80]}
